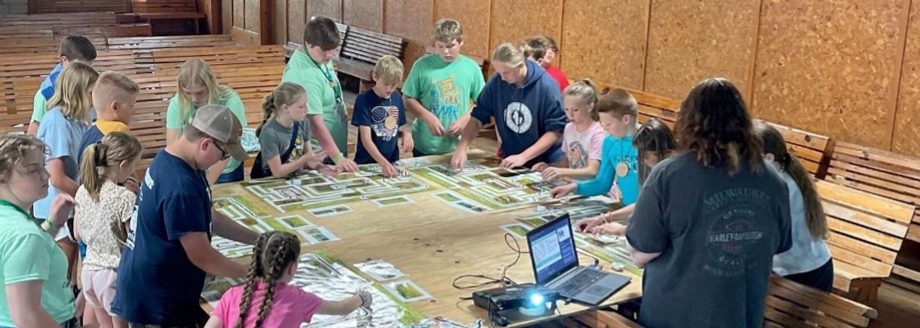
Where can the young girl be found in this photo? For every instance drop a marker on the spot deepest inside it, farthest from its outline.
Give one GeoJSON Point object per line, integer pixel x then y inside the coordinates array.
{"type": "Point", "coordinates": [33, 269]}
{"type": "Point", "coordinates": [654, 142]}
{"type": "Point", "coordinates": [583, 137]}
{"type": "Point", "coordinates": [808, 261]}
{"type": "Point", "coordinates": [62, 130]}
{"type": "Point", "coordinates": [105, 208]}
{"type": "Point", "coordinates": [617, 112]}
{"type": "Point", "coordinates": [283, 137]}
{"type": "Point", "coordinates": [199, 87]}
{"type": "Point", "coordinates": [266, 300]}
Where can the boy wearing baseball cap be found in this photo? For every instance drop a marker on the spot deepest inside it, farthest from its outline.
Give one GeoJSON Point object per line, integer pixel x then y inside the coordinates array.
{"type": "Point", "coordinates": [168, 253]}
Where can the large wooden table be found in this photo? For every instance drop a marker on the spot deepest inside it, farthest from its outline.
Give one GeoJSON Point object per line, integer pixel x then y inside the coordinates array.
{"type": "Point", "coordinates": [433, 243]}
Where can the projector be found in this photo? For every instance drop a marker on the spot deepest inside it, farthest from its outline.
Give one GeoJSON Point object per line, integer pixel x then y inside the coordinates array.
{"type": "Point", "coordinates": [500, 299]}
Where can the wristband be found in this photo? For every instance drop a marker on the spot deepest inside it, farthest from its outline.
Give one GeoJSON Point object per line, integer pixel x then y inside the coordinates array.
{"type": "Point", "coordinates": [47, 225]}
{"type": "Point", "coordinates": [338, 158]}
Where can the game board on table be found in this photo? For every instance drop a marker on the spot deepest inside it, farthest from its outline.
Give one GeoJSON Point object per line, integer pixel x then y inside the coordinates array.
{"type": "Point", "coordinates": [241, 210]}
{"type": "Point", "coordinates": [614, 253]}
{"type": "Point", "coordinates": [314, 190]}
{"type": "Point", "coordinates": [491, 187]}
{"type": "Point", "coordinates": [323, 275]}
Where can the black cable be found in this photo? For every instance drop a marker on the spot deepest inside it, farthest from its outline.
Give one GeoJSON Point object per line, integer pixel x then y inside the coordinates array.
{"type": "Point", "coordinates": [503, 280]}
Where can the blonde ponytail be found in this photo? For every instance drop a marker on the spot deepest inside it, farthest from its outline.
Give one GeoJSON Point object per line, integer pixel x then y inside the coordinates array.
{"type": "Point", "coordinates": [114, 148]}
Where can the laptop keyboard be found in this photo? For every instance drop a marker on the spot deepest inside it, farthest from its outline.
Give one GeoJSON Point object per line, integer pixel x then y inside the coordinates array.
{"type": "Point", "coordinates": [580, 281]}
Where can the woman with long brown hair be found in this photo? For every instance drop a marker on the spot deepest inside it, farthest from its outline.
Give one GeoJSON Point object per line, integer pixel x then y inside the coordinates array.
{"type": "Point", "coordinates": [709, 220]}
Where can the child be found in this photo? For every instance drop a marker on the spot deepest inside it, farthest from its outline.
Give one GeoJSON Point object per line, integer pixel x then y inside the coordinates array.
{"type": "Point", "coordinates": [654, 142]}
{"type": "Point", "coordinates": [199, 87]}
{"type": "Point", "coordinates": [617, 111]}
{"type": "Point", "coordinates": [72, 48]}
{"type": "Point", "coordinates": [33, 270]}
{"type": "Point", "coordinates": [527, 107]}
{"type": "Point", "coordinates": [440, 91]}
{"type": "Point", "coordinates": [379, 113]}
{"type": "Point", "coordinates": [62, 129]}
{"type": "Point", "coordinates": [267, 299]}
{"type": "Point", "coordinates": [100, 220]}
{"type": "Point", "coordinates": [114, 96]}
{"type": "Point", "coordinates": [283, 138]}
{"type": "Point", "coordinates": [542, 49]}
{"type": "Point", "coordinates": [311, 68]}
{"type": "Point", "coordinates": [808, 261]}
{"type": "Point", "coordinates": [583, 137]}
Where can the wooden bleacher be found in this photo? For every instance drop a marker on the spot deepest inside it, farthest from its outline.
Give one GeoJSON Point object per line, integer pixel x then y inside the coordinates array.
{"type": "Point", "coordinates": [76, 6]}
{"type": "Point", "coordinates": [178, 41]}
{"type": "Point", "coordinates": [362, 48]}
{"type": "Point", "coordinates": [866, 233]}
{"type": "Point", "coordinates": [793, 305]}
{"type": "Point", "coordinates": [169, 16]}
{"type": "Point", "coordinates": [888, 175]}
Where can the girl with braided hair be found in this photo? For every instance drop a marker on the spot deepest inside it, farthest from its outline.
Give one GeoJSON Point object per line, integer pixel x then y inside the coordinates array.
{"type": "Point", "coordinates": [102, 217]}
{"type": "Point", "coordinates": [267, 300]}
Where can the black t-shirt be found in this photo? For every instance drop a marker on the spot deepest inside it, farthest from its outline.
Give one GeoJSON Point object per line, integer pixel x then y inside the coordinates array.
{"type": "Point", "coordinates": [717, 235]}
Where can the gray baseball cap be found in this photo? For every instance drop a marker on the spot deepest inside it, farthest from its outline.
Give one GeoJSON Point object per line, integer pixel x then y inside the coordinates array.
{"type": "Point", "coordinates": [219, 123]}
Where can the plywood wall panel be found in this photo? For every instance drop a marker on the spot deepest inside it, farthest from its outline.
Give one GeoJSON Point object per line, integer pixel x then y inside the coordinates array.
{"type": "Point", "coordinates": [278, 22]}
{"type": "Point", "coordinates": [418, 33]}
{"type": "Point", "coordinates": [474, 16]}
{"type": "Point", "coordinates": [226, 13]}
{"type": "Point", "coordinates": [906, 137]}
{"type": "Point", "coordinates": [328, 8]}
{"type": "Point", "coordinates": [364, 13]}
{"type": "Point", "coordinates": [613, 52]}
{"type": "Point", "coordinates": [515, 20]}
{"type": "Point", "coordinates": [239, 13]}
{"type": "Point", "coordinates": [296, 18]}
{"type": "Point", "coordinates": [692, 40]}
{"type": "Point", "coordinates": [831, 66]}
{"type": "Point", "coordinates": [253, 14]}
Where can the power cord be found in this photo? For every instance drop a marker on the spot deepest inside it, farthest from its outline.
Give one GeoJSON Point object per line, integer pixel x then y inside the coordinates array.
{"type": "Point", "coordinates": [503, 280]}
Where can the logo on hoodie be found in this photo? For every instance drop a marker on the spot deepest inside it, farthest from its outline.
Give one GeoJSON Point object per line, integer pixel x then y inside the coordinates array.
{"type": "Point", "coordinates": [518, 117]}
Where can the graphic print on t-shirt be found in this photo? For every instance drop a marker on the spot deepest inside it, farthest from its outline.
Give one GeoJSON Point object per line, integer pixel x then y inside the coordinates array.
{"type": "Point", "coordinates": [736, 231]}
{"type": "Point", "coordinates": [384, 121]}
{"type": "Point", "coordinates": [445, 99]}
{"type": "Point", "coordinates": [578, 155]}
{"type": "Point", "coordinates": [518, 117]}
{"type": "Point", "coordinates": [297, 150]}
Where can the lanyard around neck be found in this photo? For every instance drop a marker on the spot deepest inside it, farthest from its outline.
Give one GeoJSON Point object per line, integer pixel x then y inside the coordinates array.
{"type": "Point", "coordinates": [4, 202]}
{"type": "Point", "coordinates": [336, 88]}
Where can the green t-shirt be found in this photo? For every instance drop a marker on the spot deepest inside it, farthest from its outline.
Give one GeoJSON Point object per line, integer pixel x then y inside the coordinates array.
{"type": "Point", "coordinates": [231, 100]}
{"type": "Point", "coordinates": [445, 89]}
{"type": "Point", "coordinates": [27, 254]}
{"type": "Point", "coordinates": [324, 95]}
{"type": "Point", "coordinates": [38, 107]}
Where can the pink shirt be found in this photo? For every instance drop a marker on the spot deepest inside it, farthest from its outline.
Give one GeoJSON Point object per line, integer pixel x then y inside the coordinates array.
{"type": "Point", "coordinates": [580, 147]}
{"type": "Point", "coordinates": [291, 306]}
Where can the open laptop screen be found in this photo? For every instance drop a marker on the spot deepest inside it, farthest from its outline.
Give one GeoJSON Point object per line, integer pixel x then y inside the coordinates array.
{"type": "Point", "coordinates": [552, 249]}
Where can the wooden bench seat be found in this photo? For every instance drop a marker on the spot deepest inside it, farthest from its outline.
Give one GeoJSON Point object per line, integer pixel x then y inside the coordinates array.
{"type": "Point", "coordinates": [179, 41]}
{"type": "Point", "coordinates": [888, 175]}
{"type": "Point", "coordinates": [362, 48]}
{"type": "Point", "coordinates": [163, 6]}
{"type": "Point", "coordinates": [247, 56]}
{"type": "Point", "coordinates": [813, 150]}
{"type": "Point", "coordinates": [62, 19]}
{"type": "Point", "coordinates": [866, 233]}
{"type": "Point", "coordinates": [793, 305]}
{"type": "Point", "coordinates": [76, 6]}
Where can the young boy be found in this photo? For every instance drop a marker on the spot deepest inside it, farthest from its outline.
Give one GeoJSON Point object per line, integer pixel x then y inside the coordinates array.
{"type": "Point", "coordinates": [379, 113]}
{"type": "Point", "coordinates": [72, 48]}
{"type": "Point", "coordinates": [543, 50]}
{"type": "Point", "coordinates": [114, 96]}
{"type": "Point", "coordinates": [168, 251]}
{"type": "Point", "coordinates": [439, 91]}
{"type": "Point", "coordinates": [311, 68]}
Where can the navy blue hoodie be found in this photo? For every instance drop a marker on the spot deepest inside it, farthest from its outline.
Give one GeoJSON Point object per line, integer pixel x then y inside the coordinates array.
{"type": "Point", "coordinates": [522, 115]}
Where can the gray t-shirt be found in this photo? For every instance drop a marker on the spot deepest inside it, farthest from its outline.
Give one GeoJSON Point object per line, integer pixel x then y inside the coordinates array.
{"type": "Point", "coordinates": [717, 235]}
{"type": "Point", "coordinates": [274, 140]}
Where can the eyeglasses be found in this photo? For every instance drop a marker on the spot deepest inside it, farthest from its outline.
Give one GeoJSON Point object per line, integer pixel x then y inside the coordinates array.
{"type": "Point", "coordinates": [224, 155]}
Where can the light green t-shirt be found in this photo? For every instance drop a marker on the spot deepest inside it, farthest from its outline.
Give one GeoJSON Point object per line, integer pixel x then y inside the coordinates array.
{"type": "Point", "coordinates": [231, 100]}
{"type": "Point", "coordinates": [445, 89]}
{"type": "Point", "coordinates": [27, 254]}
{"type": "Point", "coordinates": [324, 95]}
{"type": "Point", "coordinates": [39, 104]}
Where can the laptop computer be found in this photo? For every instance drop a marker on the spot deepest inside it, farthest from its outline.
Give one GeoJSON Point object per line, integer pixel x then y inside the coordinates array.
{"type": "Point", "coordinates": [555, 265]}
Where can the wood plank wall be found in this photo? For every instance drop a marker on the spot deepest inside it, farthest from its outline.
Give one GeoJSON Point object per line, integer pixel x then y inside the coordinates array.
{"type": "Point", "coordinates": [846, 68]}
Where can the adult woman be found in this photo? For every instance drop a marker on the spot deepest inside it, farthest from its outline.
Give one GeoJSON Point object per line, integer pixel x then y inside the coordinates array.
{"type": "Point", "coordinates": [709, 219]}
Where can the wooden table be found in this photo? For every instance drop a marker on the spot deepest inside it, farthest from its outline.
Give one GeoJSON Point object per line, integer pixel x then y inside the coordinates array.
{"type": "Point", "coordinates": [433, 243]}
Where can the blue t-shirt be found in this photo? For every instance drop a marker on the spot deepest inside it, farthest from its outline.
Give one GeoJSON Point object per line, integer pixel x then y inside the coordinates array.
{"type": "Point", "coordinates": [373, 111]}
{"type": "Point", "coordinates": [62, 135]}
{"type": "Point", "coordinates": [157, 283]}
{"type": "Point", "coordinates": [619, 161]}
{"type": "Point", "coordinates": [92, 135]}
{"type": "Point", "coordinates": [523, 114]}
{"type": "Point", "coordinates": [47, 86]}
